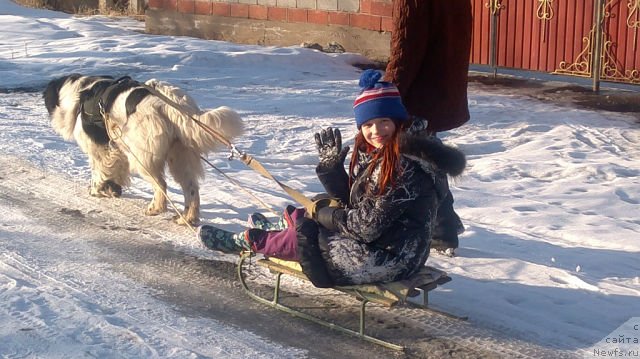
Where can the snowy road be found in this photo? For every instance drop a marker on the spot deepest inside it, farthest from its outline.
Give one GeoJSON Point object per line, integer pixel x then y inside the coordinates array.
{"type": "Point", "coordinates": [77, 262]}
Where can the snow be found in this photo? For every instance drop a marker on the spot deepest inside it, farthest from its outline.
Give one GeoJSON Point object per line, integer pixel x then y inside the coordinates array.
{"type": "Point", "coordinates": [550, 199]}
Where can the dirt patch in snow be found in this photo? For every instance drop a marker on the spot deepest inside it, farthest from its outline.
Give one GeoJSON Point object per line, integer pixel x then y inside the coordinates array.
{"type": "Point", "coordinates": [562, 93]}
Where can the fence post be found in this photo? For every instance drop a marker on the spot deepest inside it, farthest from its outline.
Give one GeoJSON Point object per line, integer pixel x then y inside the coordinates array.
{"type": "Point", "coordinates": [596, 56]}
{"type": "Point", "coordinates": [105, 6]}
{"type": "Point", "coordinates": [136, 7]}
{"type": "Point", "coordinates": [494, 6]}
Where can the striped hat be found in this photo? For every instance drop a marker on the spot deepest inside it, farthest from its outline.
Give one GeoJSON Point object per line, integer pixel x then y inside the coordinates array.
{"type": "Point", "coordinates": [377, 99]}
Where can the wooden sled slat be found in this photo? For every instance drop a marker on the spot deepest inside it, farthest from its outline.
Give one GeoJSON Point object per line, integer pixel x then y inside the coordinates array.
{"type": "Point", "coordinates": [387, 294]}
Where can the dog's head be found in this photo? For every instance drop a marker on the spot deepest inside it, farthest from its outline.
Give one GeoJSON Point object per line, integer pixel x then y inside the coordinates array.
{"type": "Point", "coordinates": [77, 82]}
{"type": "Point", "coordinates": [51, 94]}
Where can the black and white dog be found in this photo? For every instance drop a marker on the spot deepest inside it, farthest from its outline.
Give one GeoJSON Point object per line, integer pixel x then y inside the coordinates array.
{"type": "Point", "coordinates": [143, 134]}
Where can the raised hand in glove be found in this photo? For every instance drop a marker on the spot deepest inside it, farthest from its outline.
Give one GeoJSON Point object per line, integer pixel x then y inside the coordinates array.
{"type": "Point", "coordinates": [330, 151]}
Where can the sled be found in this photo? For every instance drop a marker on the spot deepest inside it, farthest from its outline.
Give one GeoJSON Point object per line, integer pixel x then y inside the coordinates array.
{"type": "Point", "coordinates": [412, 291]}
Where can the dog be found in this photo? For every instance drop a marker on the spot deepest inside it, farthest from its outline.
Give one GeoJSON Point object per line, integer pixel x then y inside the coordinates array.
{"type": "Point", "coordinates": [127, 127]}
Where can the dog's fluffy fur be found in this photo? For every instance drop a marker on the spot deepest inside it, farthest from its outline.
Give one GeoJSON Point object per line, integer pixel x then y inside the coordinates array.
{"type": "Point", "coordinates": [143, 134]}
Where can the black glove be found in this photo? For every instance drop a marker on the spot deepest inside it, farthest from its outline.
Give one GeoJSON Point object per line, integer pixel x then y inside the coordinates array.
{"type": "Point", "coordinates": [324, 216]}
{"type": "Point", "coordinates": [330, 151]}
{"type": "Point", "coordinates": [322, 211]}
{"type": "Point", "coordinates": [418, 126]}
{"type": "Point", "coordinates": [321, 203]}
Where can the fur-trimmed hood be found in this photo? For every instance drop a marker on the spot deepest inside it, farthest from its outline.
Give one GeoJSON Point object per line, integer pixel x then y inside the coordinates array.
{"type": "Point", "coordinates": [430, 149]}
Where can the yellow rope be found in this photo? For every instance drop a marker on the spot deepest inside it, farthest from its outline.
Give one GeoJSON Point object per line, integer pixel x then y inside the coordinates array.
{"type": "Point", "coordinates": [262, 203]}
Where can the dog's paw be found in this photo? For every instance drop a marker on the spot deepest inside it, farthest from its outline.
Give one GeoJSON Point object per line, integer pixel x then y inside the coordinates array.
{"type": "Point", "coordinates": [153, 211]}
{"type": "Point", "coordinates": [111, 189]}
{"type": "Point", "coordinates": [108, 189]}
{"type": "Point", "coordinates": [184, 220]}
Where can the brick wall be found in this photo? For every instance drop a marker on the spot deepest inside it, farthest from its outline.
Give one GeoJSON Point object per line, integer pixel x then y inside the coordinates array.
{"type": "Point", "coordinates": [372, 15]}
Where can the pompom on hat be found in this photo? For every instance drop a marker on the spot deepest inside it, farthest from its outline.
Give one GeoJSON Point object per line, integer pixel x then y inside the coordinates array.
{"type": "Point", "coordinates": [377, 99]}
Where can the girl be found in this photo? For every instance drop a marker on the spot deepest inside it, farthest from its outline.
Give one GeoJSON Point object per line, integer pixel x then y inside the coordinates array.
{"type": "Point", "coordinates": [380, 228]}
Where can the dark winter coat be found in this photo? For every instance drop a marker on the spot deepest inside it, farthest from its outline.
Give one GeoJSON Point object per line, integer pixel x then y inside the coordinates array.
{"type": "Point", "coordinates": [384, 237]}
{"type": "Point", "coordinates": [429, 59]}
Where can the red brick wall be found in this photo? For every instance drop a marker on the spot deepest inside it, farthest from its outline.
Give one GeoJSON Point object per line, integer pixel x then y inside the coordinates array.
{"type": "Point", "coordinates": [373, 15]}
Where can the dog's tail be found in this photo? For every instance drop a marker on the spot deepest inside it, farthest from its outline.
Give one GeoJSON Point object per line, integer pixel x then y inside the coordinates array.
{"type": "Point", "coordinates": [224, 121]}
{"type": "Point", "coordinates": [175, 94]}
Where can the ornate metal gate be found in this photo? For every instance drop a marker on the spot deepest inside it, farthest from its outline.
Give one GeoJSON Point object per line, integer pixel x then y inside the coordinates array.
{"type": "Point", "coordinates": [570, 37]}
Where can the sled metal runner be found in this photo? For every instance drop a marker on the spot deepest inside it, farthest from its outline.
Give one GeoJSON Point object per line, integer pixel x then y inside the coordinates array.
{"type": "Point", "coordinates": [414, 291]}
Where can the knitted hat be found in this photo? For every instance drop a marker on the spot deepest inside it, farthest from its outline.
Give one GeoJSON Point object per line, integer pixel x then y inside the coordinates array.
{"type": "Point", "coordinates": [377, 99]}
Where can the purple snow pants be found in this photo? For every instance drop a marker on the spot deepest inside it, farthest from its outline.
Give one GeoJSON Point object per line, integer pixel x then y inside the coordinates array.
{"type": "Point", "coordinates": [281, 244]}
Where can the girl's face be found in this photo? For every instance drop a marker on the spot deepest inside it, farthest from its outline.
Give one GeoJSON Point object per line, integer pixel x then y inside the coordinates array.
{"type": "Point", "coordinates": [378, 131]}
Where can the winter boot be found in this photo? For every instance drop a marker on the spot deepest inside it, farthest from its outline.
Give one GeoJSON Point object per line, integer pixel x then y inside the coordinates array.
{"type": "Point", "coordinates": [448, 226]}
{"type": "Point", "coordinates": [258, 220]}
{"type": "Point", "coordinates": [445, 238]}
{"type": "Point", "coordinates": [224, 241]}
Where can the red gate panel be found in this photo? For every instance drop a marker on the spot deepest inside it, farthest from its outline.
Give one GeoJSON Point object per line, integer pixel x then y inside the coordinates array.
{"type": "Point", "coordinates": [621, 41]}
{"type": "Point", "coordinates": [480, 39]}
{"type": "Point", "coordinates": [558, 36]}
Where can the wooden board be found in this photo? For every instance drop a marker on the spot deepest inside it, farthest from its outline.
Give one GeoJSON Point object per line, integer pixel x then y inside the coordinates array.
{"type": "Point", "coordinates": [387, 294]}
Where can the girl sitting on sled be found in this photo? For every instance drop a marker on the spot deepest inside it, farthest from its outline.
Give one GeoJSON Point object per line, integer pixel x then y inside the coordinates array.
{"type": "Point", "coordinates": [377, 226]}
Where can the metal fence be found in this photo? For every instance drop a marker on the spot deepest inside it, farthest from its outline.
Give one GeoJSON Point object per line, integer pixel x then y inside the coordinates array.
{"type": "Point", "coordinates": [589, 38]}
